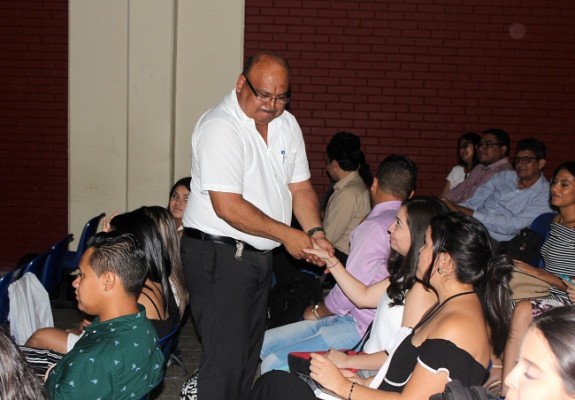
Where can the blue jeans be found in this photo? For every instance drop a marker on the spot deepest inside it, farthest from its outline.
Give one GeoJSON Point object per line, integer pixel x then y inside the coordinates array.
{"type": "Point", "coordinates": [333, 332]}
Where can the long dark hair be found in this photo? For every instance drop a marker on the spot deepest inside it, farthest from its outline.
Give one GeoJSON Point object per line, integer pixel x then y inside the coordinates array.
{"type": "Point", "coordinates": [474, 139]}
{"type": "Point", "coordinates": [402, 269]}
{"type": "Point", "coordinates": [17, 380]}
{"type": "Point", "coordinates": [466, 240]}
{"type": "Point", "coordinates": [557, 327]}
{"type": "Point", "coordinates": [167, 228]}
{"type": "Point", "coordinates": [157, 259]}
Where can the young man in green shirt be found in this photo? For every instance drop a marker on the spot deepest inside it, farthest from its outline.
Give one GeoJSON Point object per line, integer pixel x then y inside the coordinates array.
{"type": "Point", "coordinates": [118, 356]}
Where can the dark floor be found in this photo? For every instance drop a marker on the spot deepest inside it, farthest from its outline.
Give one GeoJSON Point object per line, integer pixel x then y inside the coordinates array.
{"type": "Point", "coordinates": [175, 375]}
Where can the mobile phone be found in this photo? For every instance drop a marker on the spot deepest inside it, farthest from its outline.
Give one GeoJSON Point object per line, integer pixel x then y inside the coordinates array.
{"type": "Point", "coordinates": [567, 279]}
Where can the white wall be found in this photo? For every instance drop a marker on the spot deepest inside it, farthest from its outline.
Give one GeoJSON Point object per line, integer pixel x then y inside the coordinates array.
{"type": "Point", "coordinates": [141, 74]}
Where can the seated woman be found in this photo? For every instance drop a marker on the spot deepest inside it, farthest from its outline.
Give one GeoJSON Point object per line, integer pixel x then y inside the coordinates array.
{"type": "Point", "coordinates": [178, 200]}
{"type": "Point", "coordinates": [155, 230]}
{"type": "Point", "coordinates": [558, 252]}
{"type": "Point", "coordinates": [453, 340]}
{"type": "Point", "coordinates": [546, 365]}
{"type": "Point", "coordinates": [466, 160]}
{"type": "Point", "coordinates": [407, 235]}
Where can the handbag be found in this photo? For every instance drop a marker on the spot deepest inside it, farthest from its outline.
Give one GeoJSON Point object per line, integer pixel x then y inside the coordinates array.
{"type": "Point", "coordinates": [525, 286]}
{"type": "Point", "coordinates": [525, 246]}
{"type": "Point", "coordinates": [299, 361]}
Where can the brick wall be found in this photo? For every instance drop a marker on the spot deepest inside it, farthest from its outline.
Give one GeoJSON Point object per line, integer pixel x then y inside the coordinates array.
{"type": "Point", "coordinates": [412, 76]}
{"type": "Point", "coordinates": [33, 126]}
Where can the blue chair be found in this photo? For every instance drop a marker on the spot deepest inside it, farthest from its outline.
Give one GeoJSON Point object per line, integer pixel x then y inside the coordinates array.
{"type": "Point", "coordinates": [71, 259]}
{"type": "Point", "coordinates": [542, 225]}
{"type": "Point", "coordinates": [168, 344]}
{"type": "Point", "coordinates": [36, 266]}
{"type": "Point", "coordinates": [5, 281]}
{"type": "Point", "coordinates": [52, 273]}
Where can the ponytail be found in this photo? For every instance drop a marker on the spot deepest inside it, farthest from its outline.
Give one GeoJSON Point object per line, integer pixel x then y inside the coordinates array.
{"type": "Point", "coordinates": [495, 295]}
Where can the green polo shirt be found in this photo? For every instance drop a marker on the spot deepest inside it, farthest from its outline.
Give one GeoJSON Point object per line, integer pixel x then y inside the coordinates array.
{"type": "Point", "coordinates": [116, 359]}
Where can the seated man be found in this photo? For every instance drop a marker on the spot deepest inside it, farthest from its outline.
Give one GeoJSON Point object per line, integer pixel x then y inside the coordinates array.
{"type": "Point", "coordinates": [118, 356]}
{"type": "Point", "coordinates": [338, 323]}
{"type": "Point", "coordinates": [492, 153]}
{"type": "Point", "coordinates": [349, 203]}
{"type": "Point", "coordinates": [511, 200]}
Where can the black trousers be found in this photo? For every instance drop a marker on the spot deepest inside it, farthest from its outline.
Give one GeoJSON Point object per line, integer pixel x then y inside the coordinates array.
{"type": "Point", "coordinates": [281, 385]}
{"type": "Point", "coordinates": [228, 299]}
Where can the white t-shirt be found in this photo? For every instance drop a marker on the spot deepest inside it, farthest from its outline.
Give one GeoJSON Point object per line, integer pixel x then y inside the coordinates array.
{"type": "Point", "coordinates": [386, 325]}
{"type": "Point", "coordinates": [229, 155]}
{"type": "Point", "coordinates": [456, 176]}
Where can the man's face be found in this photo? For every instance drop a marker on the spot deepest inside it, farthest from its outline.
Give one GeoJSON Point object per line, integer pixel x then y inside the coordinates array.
{"type": "Point", "coordinates": [330, 167]}
{"type": "Point", "coordinates": [88, 286]}
{"type": "Point", "coordinates": [268, 79]}
{"type": "Point", "coordinates": [527, 166]}
{"type": "Point", "coordinates": [490, 150]}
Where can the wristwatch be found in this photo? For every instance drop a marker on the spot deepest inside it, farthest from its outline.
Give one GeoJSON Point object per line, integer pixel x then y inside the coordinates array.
{"type": "Point", "coordinates": [314, 311]}
{"type": "Point", "coordinates": [314, 230]}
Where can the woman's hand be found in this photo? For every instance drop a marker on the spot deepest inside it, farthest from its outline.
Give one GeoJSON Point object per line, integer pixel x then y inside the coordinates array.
{"type": "Point", "coordinates": [528, 269]}
{"type": "Point", "coordinates": [339, 358]}
{"type": "Point", "coordinates": [570, 290]}
{"type": "Point", "coordinates": [325, 255]}
{"type": "Point", "coordinates": [106, 227]}
{"type": "Point", "coordinates": [329, 376]}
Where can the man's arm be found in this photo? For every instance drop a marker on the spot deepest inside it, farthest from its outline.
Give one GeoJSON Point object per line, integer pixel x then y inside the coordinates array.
{"type": "Point", "coordinates": [306, 210]}
{"type": "Point", "coordinates": [244, 216]}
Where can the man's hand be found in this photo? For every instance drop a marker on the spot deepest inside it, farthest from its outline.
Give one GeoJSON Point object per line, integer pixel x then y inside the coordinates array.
{"type": "Point", "coordinates": [454, 207]}
{"type": "Point", "coordinates": [295, 242]}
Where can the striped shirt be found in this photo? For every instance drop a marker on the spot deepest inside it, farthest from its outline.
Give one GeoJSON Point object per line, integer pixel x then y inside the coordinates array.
{"type": "Point", "coordinates": [558, 251]}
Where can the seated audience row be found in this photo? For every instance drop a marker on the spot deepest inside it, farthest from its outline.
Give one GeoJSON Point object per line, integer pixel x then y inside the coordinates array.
{"type": "Point", "coordinates": [454, 340]}
{"type": "Point", "coordinates": [338, 322]}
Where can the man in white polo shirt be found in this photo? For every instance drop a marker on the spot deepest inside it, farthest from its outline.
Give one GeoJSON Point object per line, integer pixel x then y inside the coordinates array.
{"type": "Point", "coordinates": [249, 172]}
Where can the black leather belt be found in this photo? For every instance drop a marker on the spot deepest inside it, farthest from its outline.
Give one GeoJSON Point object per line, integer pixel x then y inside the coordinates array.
{"type": "Point", "coordinates": [197, 234]}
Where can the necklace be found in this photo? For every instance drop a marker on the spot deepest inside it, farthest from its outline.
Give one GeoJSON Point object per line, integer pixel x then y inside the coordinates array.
{"type": "Point", "coordinates": [438, 307]}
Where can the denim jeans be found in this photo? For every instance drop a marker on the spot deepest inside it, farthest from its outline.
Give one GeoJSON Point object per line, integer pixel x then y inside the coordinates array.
{"type": "Point", "coordinates": [333, 332]}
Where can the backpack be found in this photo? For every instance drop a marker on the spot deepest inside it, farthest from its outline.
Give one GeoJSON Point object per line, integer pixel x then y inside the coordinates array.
{"type": "Point", "coordinates": [456, 391]}
{"type": "Point", "coordinates": [290, 296]}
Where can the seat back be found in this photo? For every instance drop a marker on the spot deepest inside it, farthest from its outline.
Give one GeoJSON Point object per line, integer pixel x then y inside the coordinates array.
{"type": "Point", "coordinates": [36, 266]}
{"type": "Point", "coordinates": [72, 258]}
{"type": "Point", "coordinates": [542, 225]}
{"type": "Point", "coordinates": [52, 273]}
{"type": "Point", "coordinates": [167, 344]}
{"type": "Point", "coordinates": [5, 281]}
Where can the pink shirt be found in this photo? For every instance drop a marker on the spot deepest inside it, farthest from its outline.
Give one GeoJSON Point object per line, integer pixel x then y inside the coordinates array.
{"type": "Point", "coordinates": [367, 261]}
{"type": "Point", "coordinates": [477, 177]}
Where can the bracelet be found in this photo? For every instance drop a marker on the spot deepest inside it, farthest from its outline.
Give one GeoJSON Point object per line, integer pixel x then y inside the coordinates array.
{"type": "Point", "coordinates": [333, 265]}
{"type": "Point", "coordinates": [314, 230]}
{"type": "Point", "coordinates": [351, 390]}
{"type": "Point", "coordinates": [314, 311]}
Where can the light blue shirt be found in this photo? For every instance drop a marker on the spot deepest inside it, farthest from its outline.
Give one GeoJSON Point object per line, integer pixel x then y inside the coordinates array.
{"type": "Point", "coordinates": [505, 209]}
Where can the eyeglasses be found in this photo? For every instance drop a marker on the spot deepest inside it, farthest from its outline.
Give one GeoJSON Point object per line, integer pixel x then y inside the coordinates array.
{"type": "Point", "coordinates": [488, 144]}
{"type": "Point", "coordinates": [264, 98]}
{"type": "Point", "coordinates": [523, 160]}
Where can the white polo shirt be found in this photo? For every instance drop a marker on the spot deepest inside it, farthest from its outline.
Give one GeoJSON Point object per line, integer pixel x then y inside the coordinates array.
{"type": "Point", "coordinates": [229, 155]}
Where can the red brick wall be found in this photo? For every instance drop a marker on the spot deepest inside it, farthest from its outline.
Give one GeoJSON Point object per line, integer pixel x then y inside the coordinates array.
{"type": "Point", "coordinates": [33, 126]}
{"type": "Point", "coordinates": [412, 76]}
